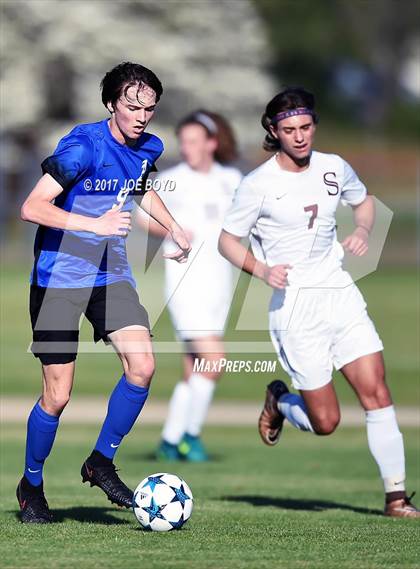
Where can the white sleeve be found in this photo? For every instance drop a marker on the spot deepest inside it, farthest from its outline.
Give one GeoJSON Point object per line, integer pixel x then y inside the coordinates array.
{"type": "Point", "coordinates": [237, 178]}
{"type": "Point", "coordinates": [244, 211]}
{"type": "Point", "coordinates": [232, 179]}
{"type": "Point", "coordinates": [353, 191]}
{"type": "Point", "coordinates": [163, 189]}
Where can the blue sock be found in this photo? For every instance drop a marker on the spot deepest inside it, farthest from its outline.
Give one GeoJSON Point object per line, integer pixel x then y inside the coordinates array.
{"type": "Point", "coordinates": [41, 431]}
{"type": "Point", "coordinates": [124, 407]}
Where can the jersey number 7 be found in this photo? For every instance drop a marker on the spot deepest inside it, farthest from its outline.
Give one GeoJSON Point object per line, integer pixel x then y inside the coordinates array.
{"type": "Point", "coordinates": [314, 210]}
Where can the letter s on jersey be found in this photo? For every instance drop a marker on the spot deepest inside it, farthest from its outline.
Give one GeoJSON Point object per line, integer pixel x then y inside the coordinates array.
{"type": "Point", "coordinates": [331, 183]}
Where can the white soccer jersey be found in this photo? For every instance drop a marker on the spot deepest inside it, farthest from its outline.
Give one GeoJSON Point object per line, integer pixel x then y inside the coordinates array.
{"type": "Point", "coordinates": [320, 319]}
{"type": "Point", "coordinates": [290, 216]}
{"type": "Point", "coordinates": [199, 292]}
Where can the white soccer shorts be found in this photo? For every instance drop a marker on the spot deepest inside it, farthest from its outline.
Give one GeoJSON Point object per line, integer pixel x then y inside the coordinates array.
{"type": "Point", "coordinates": [199, 297]}
{"type": "Point", "coordinates": [315, 329]}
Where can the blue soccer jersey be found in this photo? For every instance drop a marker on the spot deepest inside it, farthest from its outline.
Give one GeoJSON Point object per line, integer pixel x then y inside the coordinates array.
{"type": "Point", "coordinates": [96, 172]}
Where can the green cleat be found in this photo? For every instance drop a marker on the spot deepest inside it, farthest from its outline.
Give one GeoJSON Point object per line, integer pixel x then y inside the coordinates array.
{"type": "Point", "coordinates": [192, 449]}
{"type": "Point", "coordinates": [167, 451]}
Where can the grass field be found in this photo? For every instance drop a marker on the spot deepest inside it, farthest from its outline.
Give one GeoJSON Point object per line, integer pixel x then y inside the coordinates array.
{"type": "Point", "coordinates": [391, 294]}
{"type": "Point", "coordinates": [311, 502]}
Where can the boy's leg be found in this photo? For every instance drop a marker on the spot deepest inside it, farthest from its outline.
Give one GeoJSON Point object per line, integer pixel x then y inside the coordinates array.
{"type": "Point", "coordinates": [134, 348]}
{"type": "Point", "coordinates": [176, 420]}
{"type": "Point", "coordinates": [44, 417]}
{"type": "Point", "coordinates": [55, 315]}
{"type": "Point", "coordinates": [315, 410]}
{"type": "Point", "coordinates": [366, 375]}
{"type": "Point", "coordinates": [209, 350]}
{"type": "Point", "coordinates": [322, 408]}
{"type": "Point", "coordinates": [191, 400]}
{"type": "Point", "coordinates": [305, 357]}
{"type": "Point", "coordinates": [41, 430]}
{"type": "Point", "coordinates": [302, 337]}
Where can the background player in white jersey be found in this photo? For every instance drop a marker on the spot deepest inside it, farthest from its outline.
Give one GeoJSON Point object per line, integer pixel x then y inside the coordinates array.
{"type": "Point", "coordinates": [199, 294]}
{"type": "Point", "coordinates": [317, 315]}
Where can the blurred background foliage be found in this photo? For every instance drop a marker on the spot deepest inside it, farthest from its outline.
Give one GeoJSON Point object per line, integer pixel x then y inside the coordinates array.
{"type": "Point", "coordinates": [360, 57]}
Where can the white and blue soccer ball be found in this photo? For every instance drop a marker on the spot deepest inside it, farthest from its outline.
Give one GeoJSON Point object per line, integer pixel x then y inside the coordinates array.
{"type": "Point", "coordinates": [162, 502]}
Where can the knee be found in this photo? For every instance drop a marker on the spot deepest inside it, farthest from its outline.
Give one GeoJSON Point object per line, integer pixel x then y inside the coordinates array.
{"type": "Point", "coordinates": [54, 400]}
{"type": "Point", "coordinates": [139, 371]}
{"type": "Point", "coordinates": [382, 397]}
{"type": "Point", "coordinates": [376, 394]}
{"type": "Point", "coordinates": [215, 366]}
{"type": "Point", "coordinates": [326, 425]}
{"type": "Point", "coordinates": [57, 390]}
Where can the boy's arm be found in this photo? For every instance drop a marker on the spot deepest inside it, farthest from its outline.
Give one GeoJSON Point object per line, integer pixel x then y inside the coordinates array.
{"type": "Point", "coordinates": [154, 206]}
{"type": "Point", "coordinates": [146, 222]}
{"type": "Point", "coordinates": [233, 250]}
{"type": "Point", "coordinates": [231, 247]}
{"type": "Point", "coordinates": [364, 219]}
{"type": "Point", "coordinates": [38, 208]}
{"type": "Point", "coordinates": [149, 225]}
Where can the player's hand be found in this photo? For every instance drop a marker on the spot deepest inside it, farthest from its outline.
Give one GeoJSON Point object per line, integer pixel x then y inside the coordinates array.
{"type": "Point", "coordinates": [188, 234]}
{"type": "Point", "coordinates": [179, 238]}
{"type": "Point", "coordinates": [357, 242]}
{"type": "Point", "coordinates": [276, 276]}
{"type": "Point", "coordinates": [113, 222]}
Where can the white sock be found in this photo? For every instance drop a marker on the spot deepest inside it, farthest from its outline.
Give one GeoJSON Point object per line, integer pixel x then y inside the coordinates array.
{"type": "Point", "coordinates": [202, 389]}
{"type": "Point", "coordinates": [178, 414]}
{"type": "Point", "coordinates": [293, 408]}
{"type": "Point", "coordinates": [387, 447]}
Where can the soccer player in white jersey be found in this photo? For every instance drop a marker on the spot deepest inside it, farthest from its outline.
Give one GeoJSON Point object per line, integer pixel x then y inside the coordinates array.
{"type": "Point", "coordinates": [198, 295]}
{"type": "Point", "coordinates": [317, 315]}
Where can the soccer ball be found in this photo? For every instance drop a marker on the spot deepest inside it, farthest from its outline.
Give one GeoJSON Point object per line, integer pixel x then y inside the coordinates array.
{"type": "Point", "coordinates": [162, 502]}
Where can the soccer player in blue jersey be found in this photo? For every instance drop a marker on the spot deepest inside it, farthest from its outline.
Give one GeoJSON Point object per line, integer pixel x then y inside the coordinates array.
{"type": "Point", "coordinates": [82, 205]}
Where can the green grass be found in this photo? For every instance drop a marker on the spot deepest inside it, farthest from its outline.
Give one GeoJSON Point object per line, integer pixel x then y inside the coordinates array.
{"type": "Point", "coordinates": [392, 297]}
{"type": "Point", "coordinates": [311, 502]}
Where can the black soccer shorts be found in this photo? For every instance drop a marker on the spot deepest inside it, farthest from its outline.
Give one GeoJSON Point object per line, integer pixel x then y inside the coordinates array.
{"type": "Point", "coordinates": [55, 316]}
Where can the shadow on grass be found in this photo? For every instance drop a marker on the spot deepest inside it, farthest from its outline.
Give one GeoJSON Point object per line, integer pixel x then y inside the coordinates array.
{"type": "Point", "coordinates": [151, 457]}
{"type": "Point", "coordinates": [86, 514]}
{"type": "Point", "coordinates": [141, 529]}
{"type": "Point", "coordinates": [299, 505]}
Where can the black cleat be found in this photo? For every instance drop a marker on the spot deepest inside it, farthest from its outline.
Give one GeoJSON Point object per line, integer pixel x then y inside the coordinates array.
{"type": "Point", "coordinates": [270, 423]}
{"type": "Point", "coordinates": [107, 479]}
{"type": "Point", "coordinates": [33, 505]}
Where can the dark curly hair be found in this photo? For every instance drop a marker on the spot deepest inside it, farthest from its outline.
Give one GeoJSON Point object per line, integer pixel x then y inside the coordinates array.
{"type": "Point", "coordinates": [125, 75]}
{"type": "Point", "coordinates": [216, 126]}
{"type": "Point", "coordinates": [288, 99]}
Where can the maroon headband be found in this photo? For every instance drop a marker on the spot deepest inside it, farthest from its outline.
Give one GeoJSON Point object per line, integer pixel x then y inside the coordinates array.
{"type": "Point", "coordinates": [292, 113]}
